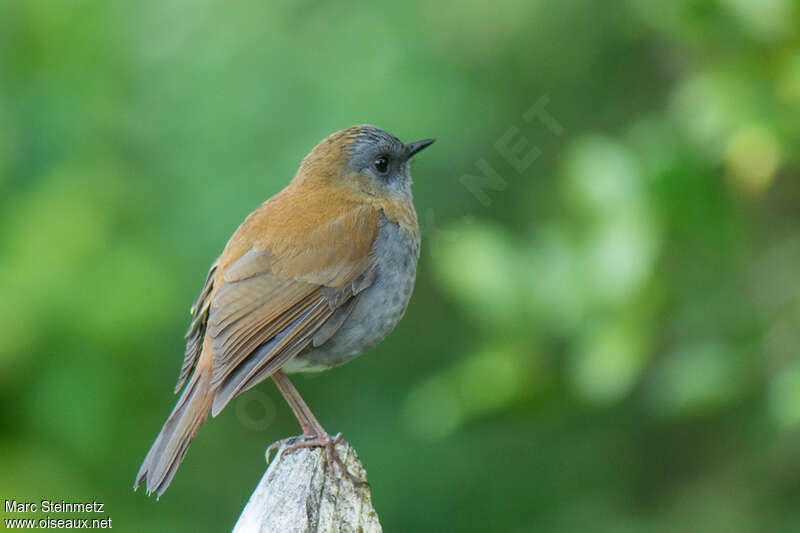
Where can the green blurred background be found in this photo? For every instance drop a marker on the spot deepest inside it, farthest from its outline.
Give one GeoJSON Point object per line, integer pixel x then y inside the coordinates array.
{"type": "Point", "coordinates": [605, 329]}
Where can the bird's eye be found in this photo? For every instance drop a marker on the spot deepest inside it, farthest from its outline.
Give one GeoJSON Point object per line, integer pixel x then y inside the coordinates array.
{"type": "Point", "coordinates": [381, 164]}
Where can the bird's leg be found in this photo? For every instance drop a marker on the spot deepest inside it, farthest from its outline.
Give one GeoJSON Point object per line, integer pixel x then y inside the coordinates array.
{"type": "Point", "coordinates": [297, 405]}
{"type": "Point", "coordinates": [308, 422]}
{"type": "Point", "coordinates": [311, 427]}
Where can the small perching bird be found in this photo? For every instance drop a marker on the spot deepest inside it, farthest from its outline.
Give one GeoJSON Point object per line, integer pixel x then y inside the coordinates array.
{"type": "Point", "coordinates": [313, 277]}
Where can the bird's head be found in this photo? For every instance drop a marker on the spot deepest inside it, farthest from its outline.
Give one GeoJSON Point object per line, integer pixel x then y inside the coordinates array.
{"type": "Point", "coordinates": [365, 158]}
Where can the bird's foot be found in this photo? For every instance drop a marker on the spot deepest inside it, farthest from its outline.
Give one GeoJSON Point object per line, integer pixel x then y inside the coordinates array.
{"type": "Point", "coordinates": [309, 441]}
{"type": "Point", "coordinates": [277, 446]}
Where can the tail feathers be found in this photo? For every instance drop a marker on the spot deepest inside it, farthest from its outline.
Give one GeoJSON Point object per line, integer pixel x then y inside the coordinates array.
{"type": "Point", "coordinates": [170, 446]}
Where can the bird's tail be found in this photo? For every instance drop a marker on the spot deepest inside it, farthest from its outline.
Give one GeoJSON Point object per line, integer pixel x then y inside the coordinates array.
{"type": "Point", "coordinates": [170, 447]}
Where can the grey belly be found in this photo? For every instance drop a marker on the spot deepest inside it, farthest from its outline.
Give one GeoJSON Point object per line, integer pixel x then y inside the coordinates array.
{"type": "Point", "coordinates": [378, 309]}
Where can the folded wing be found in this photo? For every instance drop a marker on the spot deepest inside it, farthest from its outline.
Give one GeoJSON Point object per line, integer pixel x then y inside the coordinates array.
{"type": "Point", "coordinates": [281, 295]}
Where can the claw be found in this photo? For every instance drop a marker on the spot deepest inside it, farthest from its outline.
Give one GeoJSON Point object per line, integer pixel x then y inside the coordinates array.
{"type": "Point", "coordinates": [277, 446]}
{"type": "Point", "coordinates": [310, 441]}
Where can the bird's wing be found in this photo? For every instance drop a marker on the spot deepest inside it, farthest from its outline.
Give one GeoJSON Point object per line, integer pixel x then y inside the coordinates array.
{"type": "Point", "coordinates": [286, 291]}
{"type": "Point", "coordinates": [197, 329]}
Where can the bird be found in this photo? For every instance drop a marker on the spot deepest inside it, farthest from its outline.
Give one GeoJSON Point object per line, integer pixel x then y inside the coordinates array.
{"type": "Point", "coordinates": [313, 277]}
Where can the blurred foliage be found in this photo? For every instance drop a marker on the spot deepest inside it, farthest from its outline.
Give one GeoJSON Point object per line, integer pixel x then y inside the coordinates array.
{"type": "Point", "coordinates": [604, 335]}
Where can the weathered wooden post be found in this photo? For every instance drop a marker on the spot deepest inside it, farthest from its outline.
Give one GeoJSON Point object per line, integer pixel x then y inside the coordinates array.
{"type": "Point", "coordinates": [299, 493]}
